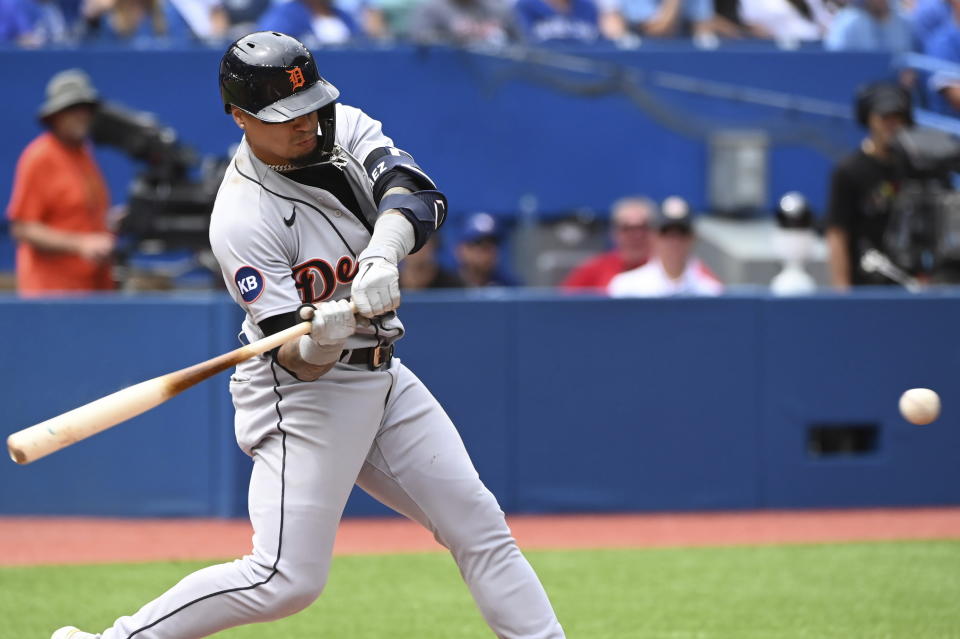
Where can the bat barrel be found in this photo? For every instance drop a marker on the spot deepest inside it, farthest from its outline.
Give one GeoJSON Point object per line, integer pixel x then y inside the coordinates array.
{"type": "Point", "coordinates": [39, 440]}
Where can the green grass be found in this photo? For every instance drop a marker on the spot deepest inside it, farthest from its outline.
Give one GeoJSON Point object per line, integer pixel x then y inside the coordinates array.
{"type": "Point", "coordinates": [908, 590]}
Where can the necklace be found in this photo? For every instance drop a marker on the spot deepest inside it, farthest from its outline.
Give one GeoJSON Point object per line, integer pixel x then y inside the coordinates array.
{"type": "Point", "coordinates": [333, 157]}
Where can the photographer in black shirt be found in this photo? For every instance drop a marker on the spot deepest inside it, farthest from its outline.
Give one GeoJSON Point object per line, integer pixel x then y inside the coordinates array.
{"type": "Point", "coordinates": [864, 185]}
{"type": "Point", "coordinates": [892, 200]}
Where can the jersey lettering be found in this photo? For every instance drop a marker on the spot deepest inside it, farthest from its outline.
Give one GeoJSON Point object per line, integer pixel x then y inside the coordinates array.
{"type": "Point", "coordinates": [250, 283]}
{"type": "Point", "coordinates": [317, 280]}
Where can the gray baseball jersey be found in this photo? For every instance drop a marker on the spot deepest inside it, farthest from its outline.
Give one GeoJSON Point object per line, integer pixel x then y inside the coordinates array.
{"type": "Point", "coordinates": [300, 243]}
{"type": "Point", "coordinates": [280, 243]}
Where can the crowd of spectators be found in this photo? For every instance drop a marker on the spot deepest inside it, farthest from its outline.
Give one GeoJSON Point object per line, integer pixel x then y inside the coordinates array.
{"type": "Point", "coordinates": [886, 25]}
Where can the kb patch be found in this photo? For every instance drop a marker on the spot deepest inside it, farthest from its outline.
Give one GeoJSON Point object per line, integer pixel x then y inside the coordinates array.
{"type": "Point", "coordinates": [249, 283]}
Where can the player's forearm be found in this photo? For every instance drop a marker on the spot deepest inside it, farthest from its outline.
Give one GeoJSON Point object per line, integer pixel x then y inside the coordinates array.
{"type": "Point", "coordinates": [289, 357]}
{"type": "Point", "coordinates": [393, 235]}
{"type": "Point", "coordinates": [839, 258]}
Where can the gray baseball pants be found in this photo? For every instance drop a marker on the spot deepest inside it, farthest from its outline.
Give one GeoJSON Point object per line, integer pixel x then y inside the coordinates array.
{"type": "Point", "coordinates": [310, 443]}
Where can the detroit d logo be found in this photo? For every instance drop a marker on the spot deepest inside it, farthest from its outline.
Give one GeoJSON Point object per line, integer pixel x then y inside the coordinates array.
{"type": "Point", "coordinates": [296, 78]}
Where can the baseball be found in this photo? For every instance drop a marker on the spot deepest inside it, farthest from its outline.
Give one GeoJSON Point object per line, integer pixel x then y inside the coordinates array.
{"type": "Point", "coordinates": [920, 406]}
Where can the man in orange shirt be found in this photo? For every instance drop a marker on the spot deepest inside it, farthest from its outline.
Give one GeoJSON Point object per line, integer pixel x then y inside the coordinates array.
{"type": "Point", "coordinates": [58, 209]}
{"type": "Point", "coordinates": [631, 220]}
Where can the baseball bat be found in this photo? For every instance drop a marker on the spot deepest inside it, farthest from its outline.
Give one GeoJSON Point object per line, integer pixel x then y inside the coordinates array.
{"type": "Point", "coordinates": [39, 440]}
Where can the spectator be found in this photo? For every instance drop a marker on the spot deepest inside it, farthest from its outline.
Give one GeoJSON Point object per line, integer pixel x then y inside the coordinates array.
{"type": "Point", "coordinates": [59, 202]}
{"type": "Point", "coordinates": [463, 22]}
{"type": "Point", "coordinates": [241, 16]}
{"type": "Point", "coordinates": [421, 270]}
{"type": "Point", "coordinates": [945, 44]}
{"type": "Point", "coordinates": [863, 185]}
{"type": "Point", "coordinates": [727, 20]}
{"type": "Point", "coordinates": [205, 20]}
{"type": "Point", "coordinates": [543, 20]}
{"type": "Point", "coordinates": [793, 240]}
{"type": "Point", "coordinates": [869, 25]}
{"type": "Point", "coordinates": [478, 253]}
{"type": "Point", "coordinates": [390, 19]}
{"type": "Point", "coordinates": [673, 270]}
{"type": "Point", "coordinates": [33, 23]}
{"type": "Point", "coordinates": [630, 232]}
{"type": "Point", "coordinates": [139, 21]}
{"type": "Point", "coordinates": [926, 18]}
{"type": "Point", "coordinates": [314, 22]}
{"type": "Point", "coordinates": [656, 18]}
{"type": "Point", "coordinates": [786, 21]}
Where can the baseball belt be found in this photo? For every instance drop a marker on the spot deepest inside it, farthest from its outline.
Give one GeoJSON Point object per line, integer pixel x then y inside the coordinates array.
{"type": "Point", "coordinates": [374, 357]}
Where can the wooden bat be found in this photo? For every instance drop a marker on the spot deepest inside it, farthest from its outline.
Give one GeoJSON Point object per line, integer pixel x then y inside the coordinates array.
{"type": "Point", "coordinates": [39, 440]}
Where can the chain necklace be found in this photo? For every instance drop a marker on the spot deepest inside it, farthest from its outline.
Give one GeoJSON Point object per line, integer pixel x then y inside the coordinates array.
{"type": "Point", "coordinates": [334, 157]}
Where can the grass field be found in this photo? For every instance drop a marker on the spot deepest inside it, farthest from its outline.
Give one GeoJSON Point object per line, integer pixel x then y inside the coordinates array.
{"type": "Point", "coordinates": [908, 590]}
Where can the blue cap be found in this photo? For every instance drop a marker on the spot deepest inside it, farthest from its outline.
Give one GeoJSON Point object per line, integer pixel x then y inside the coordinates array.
{"type": "Point", "coordinates": [480, 226]}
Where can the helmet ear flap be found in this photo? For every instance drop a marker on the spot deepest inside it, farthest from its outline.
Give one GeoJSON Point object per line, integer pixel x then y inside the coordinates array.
{"type": "Point", "coordinates": [327, 120]}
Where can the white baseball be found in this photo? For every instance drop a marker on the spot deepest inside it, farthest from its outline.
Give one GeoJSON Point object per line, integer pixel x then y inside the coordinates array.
{"type": "Point", "coordinates": [920, 406]}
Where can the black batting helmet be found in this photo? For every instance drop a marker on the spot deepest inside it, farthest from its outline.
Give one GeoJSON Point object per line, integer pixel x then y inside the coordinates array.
{"type": "Point", "coordinates": [273, 77]}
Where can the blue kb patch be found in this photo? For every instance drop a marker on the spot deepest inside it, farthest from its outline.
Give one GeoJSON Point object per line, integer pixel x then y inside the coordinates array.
{"type": "Point", "coordinates": [249, 283]}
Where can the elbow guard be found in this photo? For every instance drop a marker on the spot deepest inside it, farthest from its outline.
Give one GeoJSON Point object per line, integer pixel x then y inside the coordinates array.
{"type": "Point", "coordinates": [389, 167]}
{"type": "Point", "coordinates": [425, 207]}
{"type": "Point", "coordinates": [426, 211]}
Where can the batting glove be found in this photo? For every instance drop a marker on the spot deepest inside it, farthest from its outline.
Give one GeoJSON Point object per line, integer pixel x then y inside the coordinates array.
{"type": "Point", "coordinates": [376, 288]}
{"type": "Point", "coordinates": [331, 324]}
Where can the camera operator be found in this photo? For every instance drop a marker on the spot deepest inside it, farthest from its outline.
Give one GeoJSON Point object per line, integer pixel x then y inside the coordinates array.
{"type": "Point", "coordinates": [866, 190]}
{"type": "Point", "coordinates": [58, 209]}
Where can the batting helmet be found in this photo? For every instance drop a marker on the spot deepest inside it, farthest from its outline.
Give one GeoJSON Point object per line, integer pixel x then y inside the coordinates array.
{"type": "Point", "coordinates": [273, 77]}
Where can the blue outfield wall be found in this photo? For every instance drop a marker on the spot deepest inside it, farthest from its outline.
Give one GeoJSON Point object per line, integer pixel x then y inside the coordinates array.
{"type": "Point", "coordinates": [565, 403]}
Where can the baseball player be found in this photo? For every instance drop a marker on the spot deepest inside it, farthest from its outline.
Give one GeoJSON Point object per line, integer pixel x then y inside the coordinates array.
{"type": "Point", "coordinates": [316, 206]}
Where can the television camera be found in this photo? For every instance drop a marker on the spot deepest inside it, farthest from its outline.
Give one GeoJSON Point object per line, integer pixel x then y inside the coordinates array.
{"type": "Point", "coordinates": [169, 202]}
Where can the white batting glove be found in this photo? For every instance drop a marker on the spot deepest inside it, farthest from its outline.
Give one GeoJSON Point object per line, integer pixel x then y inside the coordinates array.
{"type": "Point", "coordinates": [331, 324]}
{"type": "Point", "coordinates": [376, 288]}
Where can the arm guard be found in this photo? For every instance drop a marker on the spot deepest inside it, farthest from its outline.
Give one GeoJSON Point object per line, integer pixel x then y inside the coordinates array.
{"type": "Point", "coordinates": [426, 211]}
{"type": "Point", "coordinates": [389, 167]}
{"type": "Point", "coordinates": [425, 207]}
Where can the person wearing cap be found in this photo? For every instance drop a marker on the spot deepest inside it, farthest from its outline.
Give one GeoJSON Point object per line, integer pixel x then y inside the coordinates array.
{"type": "Point", "coordinates": [673, 270]}
{"type": "Point", "coordinates": [478, 253]}
{"type": "Point", "coordinates": [630, 233]}
{"type": "Point", "coordinates": [58, 208]}
{"type": "Point", "coordinates": [864, 185]}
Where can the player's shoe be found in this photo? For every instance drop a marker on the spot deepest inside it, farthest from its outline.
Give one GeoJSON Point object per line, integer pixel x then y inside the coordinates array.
{"type": "Point", "coordinates": [69, 632]}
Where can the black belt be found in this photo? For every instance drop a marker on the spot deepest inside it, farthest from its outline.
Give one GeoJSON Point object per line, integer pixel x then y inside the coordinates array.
{"type": "Point", "coordinates": [375, 357]}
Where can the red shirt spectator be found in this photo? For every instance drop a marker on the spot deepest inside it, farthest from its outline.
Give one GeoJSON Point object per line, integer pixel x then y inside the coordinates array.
{"type": "Point", "coordinates": [58, 208]}
{"type": "Point", "coordinates": [630, 232]}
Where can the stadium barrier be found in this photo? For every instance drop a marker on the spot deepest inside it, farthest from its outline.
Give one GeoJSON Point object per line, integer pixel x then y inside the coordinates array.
{"type": "Point", "coordinates": [566, 403]}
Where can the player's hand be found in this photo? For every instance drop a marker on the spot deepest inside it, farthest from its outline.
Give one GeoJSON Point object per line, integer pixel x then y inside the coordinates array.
{"type": "Point", "coordinates": [331, 323]}
{"type": "Point", "coordinates": [376, 288]}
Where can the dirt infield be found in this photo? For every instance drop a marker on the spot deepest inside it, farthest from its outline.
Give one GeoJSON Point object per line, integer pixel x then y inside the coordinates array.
{"type": "Point", "coordinates": [46, 540]}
